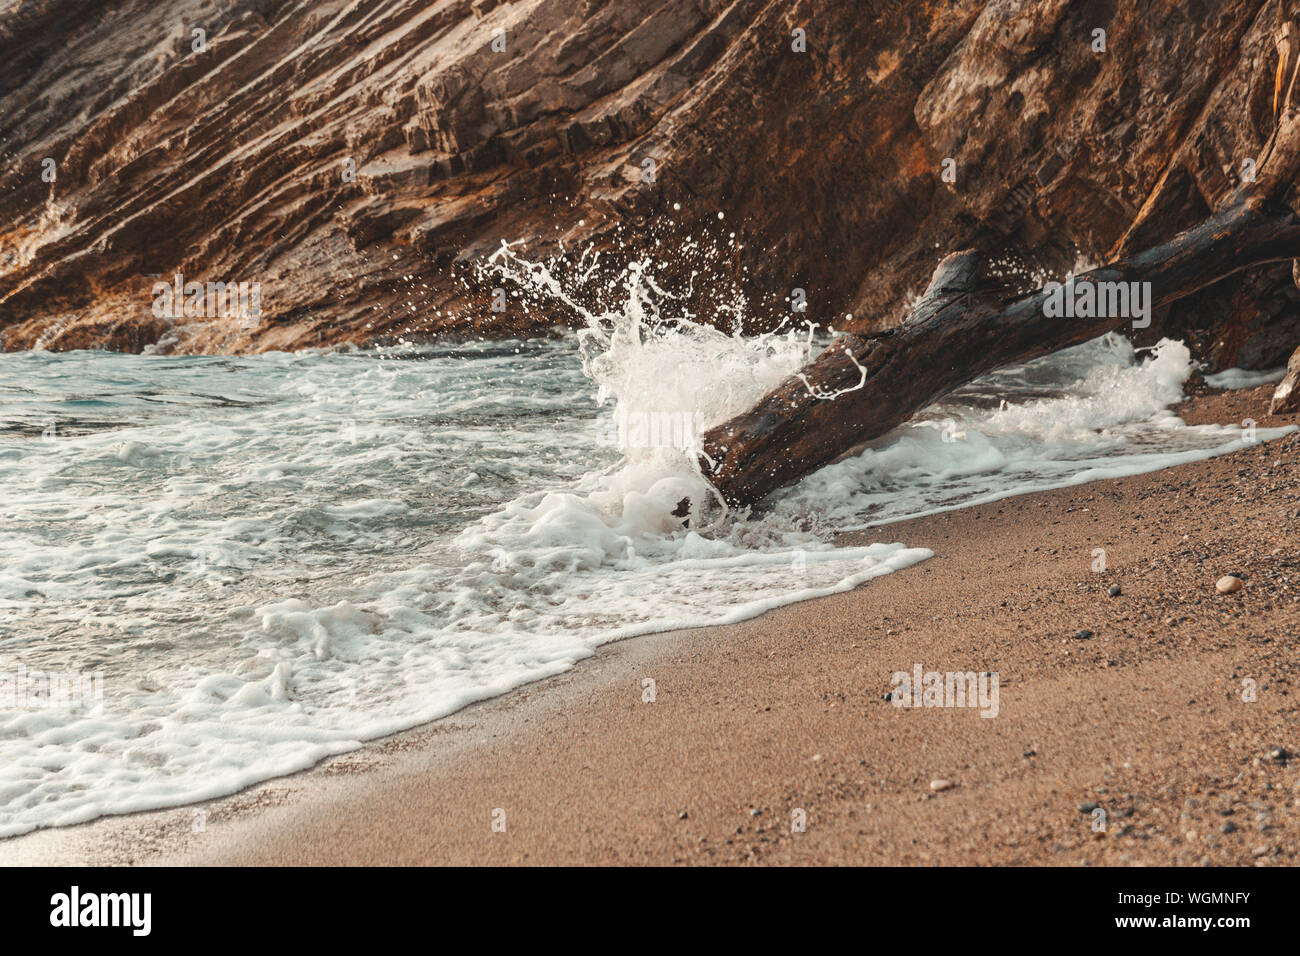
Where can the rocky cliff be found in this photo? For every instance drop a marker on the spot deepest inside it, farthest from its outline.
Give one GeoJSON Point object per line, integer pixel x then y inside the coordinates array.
{"type": "Point", "coordinates": [355, 158]}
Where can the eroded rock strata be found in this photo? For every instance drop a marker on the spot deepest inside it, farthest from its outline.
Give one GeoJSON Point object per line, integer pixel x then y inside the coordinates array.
{"type": "Point", "coordinates": [355, 158]}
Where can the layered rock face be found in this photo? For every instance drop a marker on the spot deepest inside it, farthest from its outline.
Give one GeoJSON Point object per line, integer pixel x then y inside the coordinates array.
{"type": "Point", "coordinates": [355, 159]}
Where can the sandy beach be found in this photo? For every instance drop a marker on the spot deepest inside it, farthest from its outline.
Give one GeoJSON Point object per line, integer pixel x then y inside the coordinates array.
{"type": "Point", "coordinates": [1145, 718]}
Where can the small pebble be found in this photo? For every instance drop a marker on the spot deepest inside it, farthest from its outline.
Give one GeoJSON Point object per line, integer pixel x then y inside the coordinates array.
{"type": "Point", "coordinates": [1227, 584]}
{"type": "Point", "coordinates": [682, 815]}
{"type": "Point", "coordinates": [1228, 827]}
{"type": "Point", "coordinates": [937, 785]}
{"type": "Point", "coordinates": [1115, 590]}
{"type": "Point", "coordinates": [1087, 807]}
{"type": "Point", "coordinates": [1082, 635]}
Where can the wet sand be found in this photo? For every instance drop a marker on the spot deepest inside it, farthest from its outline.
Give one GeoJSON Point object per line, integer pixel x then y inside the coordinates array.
{"type": "Point", "coordinates": [750, 723]}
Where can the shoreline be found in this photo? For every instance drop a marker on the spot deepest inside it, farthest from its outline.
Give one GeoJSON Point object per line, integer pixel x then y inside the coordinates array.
{"type": "Point", "coordinates": [786, 712]}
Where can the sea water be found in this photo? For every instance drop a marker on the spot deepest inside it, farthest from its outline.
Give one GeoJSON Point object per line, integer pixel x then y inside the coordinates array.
{"type": "Point", "coordinates": [269, 559]}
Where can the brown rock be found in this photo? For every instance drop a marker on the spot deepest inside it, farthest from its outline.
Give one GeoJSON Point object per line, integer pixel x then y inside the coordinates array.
{"type": "Point", "coordinates": [354, 164]}
{"type": "Point", "coordinates": [1228, 584]}
{"type": "Point", "coordinates": [1286, 397]}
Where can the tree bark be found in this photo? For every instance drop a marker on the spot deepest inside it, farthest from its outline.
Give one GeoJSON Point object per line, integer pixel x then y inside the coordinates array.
{"type": "Point", "coordinates": [863, 386]}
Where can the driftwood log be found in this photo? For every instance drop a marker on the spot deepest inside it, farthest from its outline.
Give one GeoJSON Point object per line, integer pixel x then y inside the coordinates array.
{"type": "Point", "coordinates": [863, 386]}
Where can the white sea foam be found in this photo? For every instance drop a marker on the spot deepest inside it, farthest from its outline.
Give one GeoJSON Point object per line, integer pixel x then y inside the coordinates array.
{"type": "Point", "coordinates": [1096, 411]}
{"type": "Point", "coordinates": [274, 558]}
{"type": "Point", "coordinates": [1234, 378]}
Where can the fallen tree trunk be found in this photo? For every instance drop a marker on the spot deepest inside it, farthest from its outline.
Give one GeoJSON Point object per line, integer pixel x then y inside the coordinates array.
{"type": "Point", "coordinates": [862, 387]}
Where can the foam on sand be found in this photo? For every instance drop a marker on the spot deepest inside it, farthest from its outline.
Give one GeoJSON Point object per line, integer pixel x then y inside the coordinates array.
{"type": "Point", "coordinates": [1235, 378]}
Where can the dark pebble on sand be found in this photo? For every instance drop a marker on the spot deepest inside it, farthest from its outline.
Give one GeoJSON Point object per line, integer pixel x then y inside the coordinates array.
{"type": "Point", "coordinates": [1082, 635]}
{"type": "Point", "coordinates": [1087, 807]}
{"type": "Point", "coordinates": [1228, 827]}
{"type": "Point", "coordinates": [1115, 590]}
